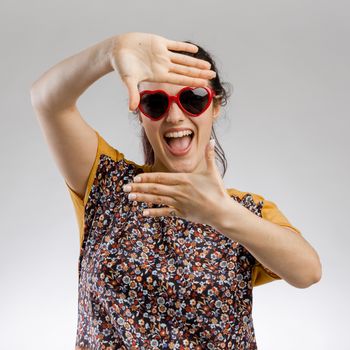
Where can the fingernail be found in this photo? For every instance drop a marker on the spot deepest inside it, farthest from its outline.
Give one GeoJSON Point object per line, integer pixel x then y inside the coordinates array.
{"type": "Point", "coordinates": [145, 212]}
{"type": "Point", "coordinates": [212, 143]}
{"type": "Point", "coordinates": [127, 188]}
{"type": "Point", "coordinates": [132, 196]}
{"type": "Point", "coordinates": [137, 179]}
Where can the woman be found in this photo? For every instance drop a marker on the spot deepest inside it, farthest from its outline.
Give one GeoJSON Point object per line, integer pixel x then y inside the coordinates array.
{"type": "Point", "coordinates": [174, 265]}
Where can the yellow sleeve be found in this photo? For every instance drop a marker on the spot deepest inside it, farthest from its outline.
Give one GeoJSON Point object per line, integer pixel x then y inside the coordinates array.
{"type": "Point", "coordinates": [270, 211]}
{"type": "Point", "coordinates": [79, 203]}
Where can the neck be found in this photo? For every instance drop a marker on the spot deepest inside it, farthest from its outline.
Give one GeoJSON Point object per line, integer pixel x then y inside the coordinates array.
{"type": "Point", "coordinates": [160, 167]}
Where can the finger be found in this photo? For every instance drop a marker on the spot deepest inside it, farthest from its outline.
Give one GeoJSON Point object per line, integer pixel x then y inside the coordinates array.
{"type": "Point", "coordinates": [161, 212]}
{"type": "Point", "coordinates": [134, 95]}
{"type": "Point", "coordinates": [189, 61]}
{"type": "Point", "coordinates": [152, 188]}
{"type": "Point", "coordinates": [160, 178]}
{"type": "Point", "coordinates": [181, 46]}
{"type": "Point", "coordinates": [192, 72]}
{"type": "Point", "coordinates": [180, 79]}
{"type": "Point", "coordinates": [210, 156]}
{"type": "Point", "coordinates": [151, 198]}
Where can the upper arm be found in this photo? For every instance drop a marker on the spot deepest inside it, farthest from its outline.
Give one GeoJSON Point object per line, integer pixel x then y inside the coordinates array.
{"type": "Point", "coordinates": [73, 144]}
{"type": "Point", "coordinates": [271, 212]}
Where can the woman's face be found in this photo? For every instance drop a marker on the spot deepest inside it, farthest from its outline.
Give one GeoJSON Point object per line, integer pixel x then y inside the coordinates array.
{"type": "Point", "coordinates": [165, 161]}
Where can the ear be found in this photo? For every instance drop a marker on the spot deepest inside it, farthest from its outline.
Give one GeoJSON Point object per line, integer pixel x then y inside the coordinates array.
{"type": "Point", "coordinates": [216, 111]}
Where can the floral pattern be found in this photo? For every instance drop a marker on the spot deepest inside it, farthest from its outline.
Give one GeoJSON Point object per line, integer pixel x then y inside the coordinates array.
{"type": "Point", "coordinates": [158, 282]}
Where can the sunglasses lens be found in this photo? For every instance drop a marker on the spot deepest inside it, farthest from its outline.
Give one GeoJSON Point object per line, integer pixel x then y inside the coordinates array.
{"type": "Point", "coordinates": [154, 104]}
{"type": "Point", "coordinates": [194, 101]}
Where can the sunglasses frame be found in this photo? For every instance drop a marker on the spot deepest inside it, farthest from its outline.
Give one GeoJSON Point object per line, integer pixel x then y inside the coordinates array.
{"type": "Point", "coordinates": [176, 98]}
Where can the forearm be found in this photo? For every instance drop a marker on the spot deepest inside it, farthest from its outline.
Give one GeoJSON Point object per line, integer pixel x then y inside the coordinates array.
{"type": "Point", "coordinates": [284, 252]}
{"type": "Point", "coordinates": [60, 87]}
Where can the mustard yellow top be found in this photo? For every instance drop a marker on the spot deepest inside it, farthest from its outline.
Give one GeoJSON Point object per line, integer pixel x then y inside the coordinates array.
{"type": "Point", "coordinates": [269, 211]}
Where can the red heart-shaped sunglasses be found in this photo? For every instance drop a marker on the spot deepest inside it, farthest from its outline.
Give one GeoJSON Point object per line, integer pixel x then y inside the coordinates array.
{"type": "Point", "coordinates": [154, 104]}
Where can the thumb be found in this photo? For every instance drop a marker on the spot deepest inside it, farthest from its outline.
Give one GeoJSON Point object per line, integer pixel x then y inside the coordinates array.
{"type": "Point", "coordinates": [210, 156]}
{"type": "Point", "coordinates": [134, 95]}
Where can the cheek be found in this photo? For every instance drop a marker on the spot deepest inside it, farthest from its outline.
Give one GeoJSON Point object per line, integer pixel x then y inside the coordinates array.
{"type": "Point", "coordinates": [152, 132]}
{"type": "Point", "coordinates": [204, 127]}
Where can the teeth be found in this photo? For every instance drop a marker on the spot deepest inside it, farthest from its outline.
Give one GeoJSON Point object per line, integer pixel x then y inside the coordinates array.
{"type": "Point", "coordinates": [178, 134]}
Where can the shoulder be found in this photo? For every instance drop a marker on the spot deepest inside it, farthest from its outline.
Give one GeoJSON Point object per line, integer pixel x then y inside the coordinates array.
{"type": "Point", "coordinates": [107, 150]}
{"type": "Point", "coordinates": [239, 194]}
{"type": "Point", "coordinates": [265, 208]}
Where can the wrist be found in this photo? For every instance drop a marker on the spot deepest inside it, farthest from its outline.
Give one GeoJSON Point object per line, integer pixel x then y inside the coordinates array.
{"type": "Point", "coordinates": [228, 217]}
{"type": "Point", "coordinates": [110, 51]}
{"type": "Point", "coordinates": [104, 53]}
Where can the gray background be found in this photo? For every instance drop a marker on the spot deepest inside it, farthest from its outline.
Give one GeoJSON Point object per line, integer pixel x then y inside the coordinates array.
{"type": "Point", "coordinates": [285, 133]}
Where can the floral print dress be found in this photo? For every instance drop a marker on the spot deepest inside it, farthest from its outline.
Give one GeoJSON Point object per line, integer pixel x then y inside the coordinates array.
{"type": "Point", "coordinates": [160, 282]}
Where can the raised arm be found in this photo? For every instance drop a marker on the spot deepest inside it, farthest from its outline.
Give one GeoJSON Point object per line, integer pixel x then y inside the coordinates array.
{"type": "Point", "coordinates": [71, 140]}
{"type": "Point", "coordinates": [136, 57]}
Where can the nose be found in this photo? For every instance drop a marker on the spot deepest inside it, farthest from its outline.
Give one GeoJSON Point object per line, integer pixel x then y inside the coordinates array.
{"type": "Point", "coordinates": [175, 113]}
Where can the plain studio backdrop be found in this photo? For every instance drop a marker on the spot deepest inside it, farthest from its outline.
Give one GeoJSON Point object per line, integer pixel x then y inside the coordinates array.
{"type": "Point", "coordinates": [285, 133]}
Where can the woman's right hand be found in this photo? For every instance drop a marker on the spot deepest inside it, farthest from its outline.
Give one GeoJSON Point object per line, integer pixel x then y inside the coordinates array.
{"type": "Point", "coordinates": [147, 57]}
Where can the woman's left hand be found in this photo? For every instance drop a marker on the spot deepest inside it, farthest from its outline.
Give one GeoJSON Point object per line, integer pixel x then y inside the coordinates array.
{"type": "Point", "coordinates": [198, 197]}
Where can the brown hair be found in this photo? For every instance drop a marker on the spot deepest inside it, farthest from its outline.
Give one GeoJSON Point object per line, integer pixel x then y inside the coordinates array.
{"type": "Point", "coordinates": [222, 96]}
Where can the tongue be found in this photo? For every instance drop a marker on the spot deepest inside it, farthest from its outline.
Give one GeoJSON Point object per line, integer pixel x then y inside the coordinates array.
{"type": "Point", "coordinates": [179, 143]}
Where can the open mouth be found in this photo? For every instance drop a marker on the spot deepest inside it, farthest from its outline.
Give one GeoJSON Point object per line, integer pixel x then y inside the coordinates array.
{"type": "Point", "coordinates": [168, 139]}
{"type": "Point", "coordinates": [179, 146]}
